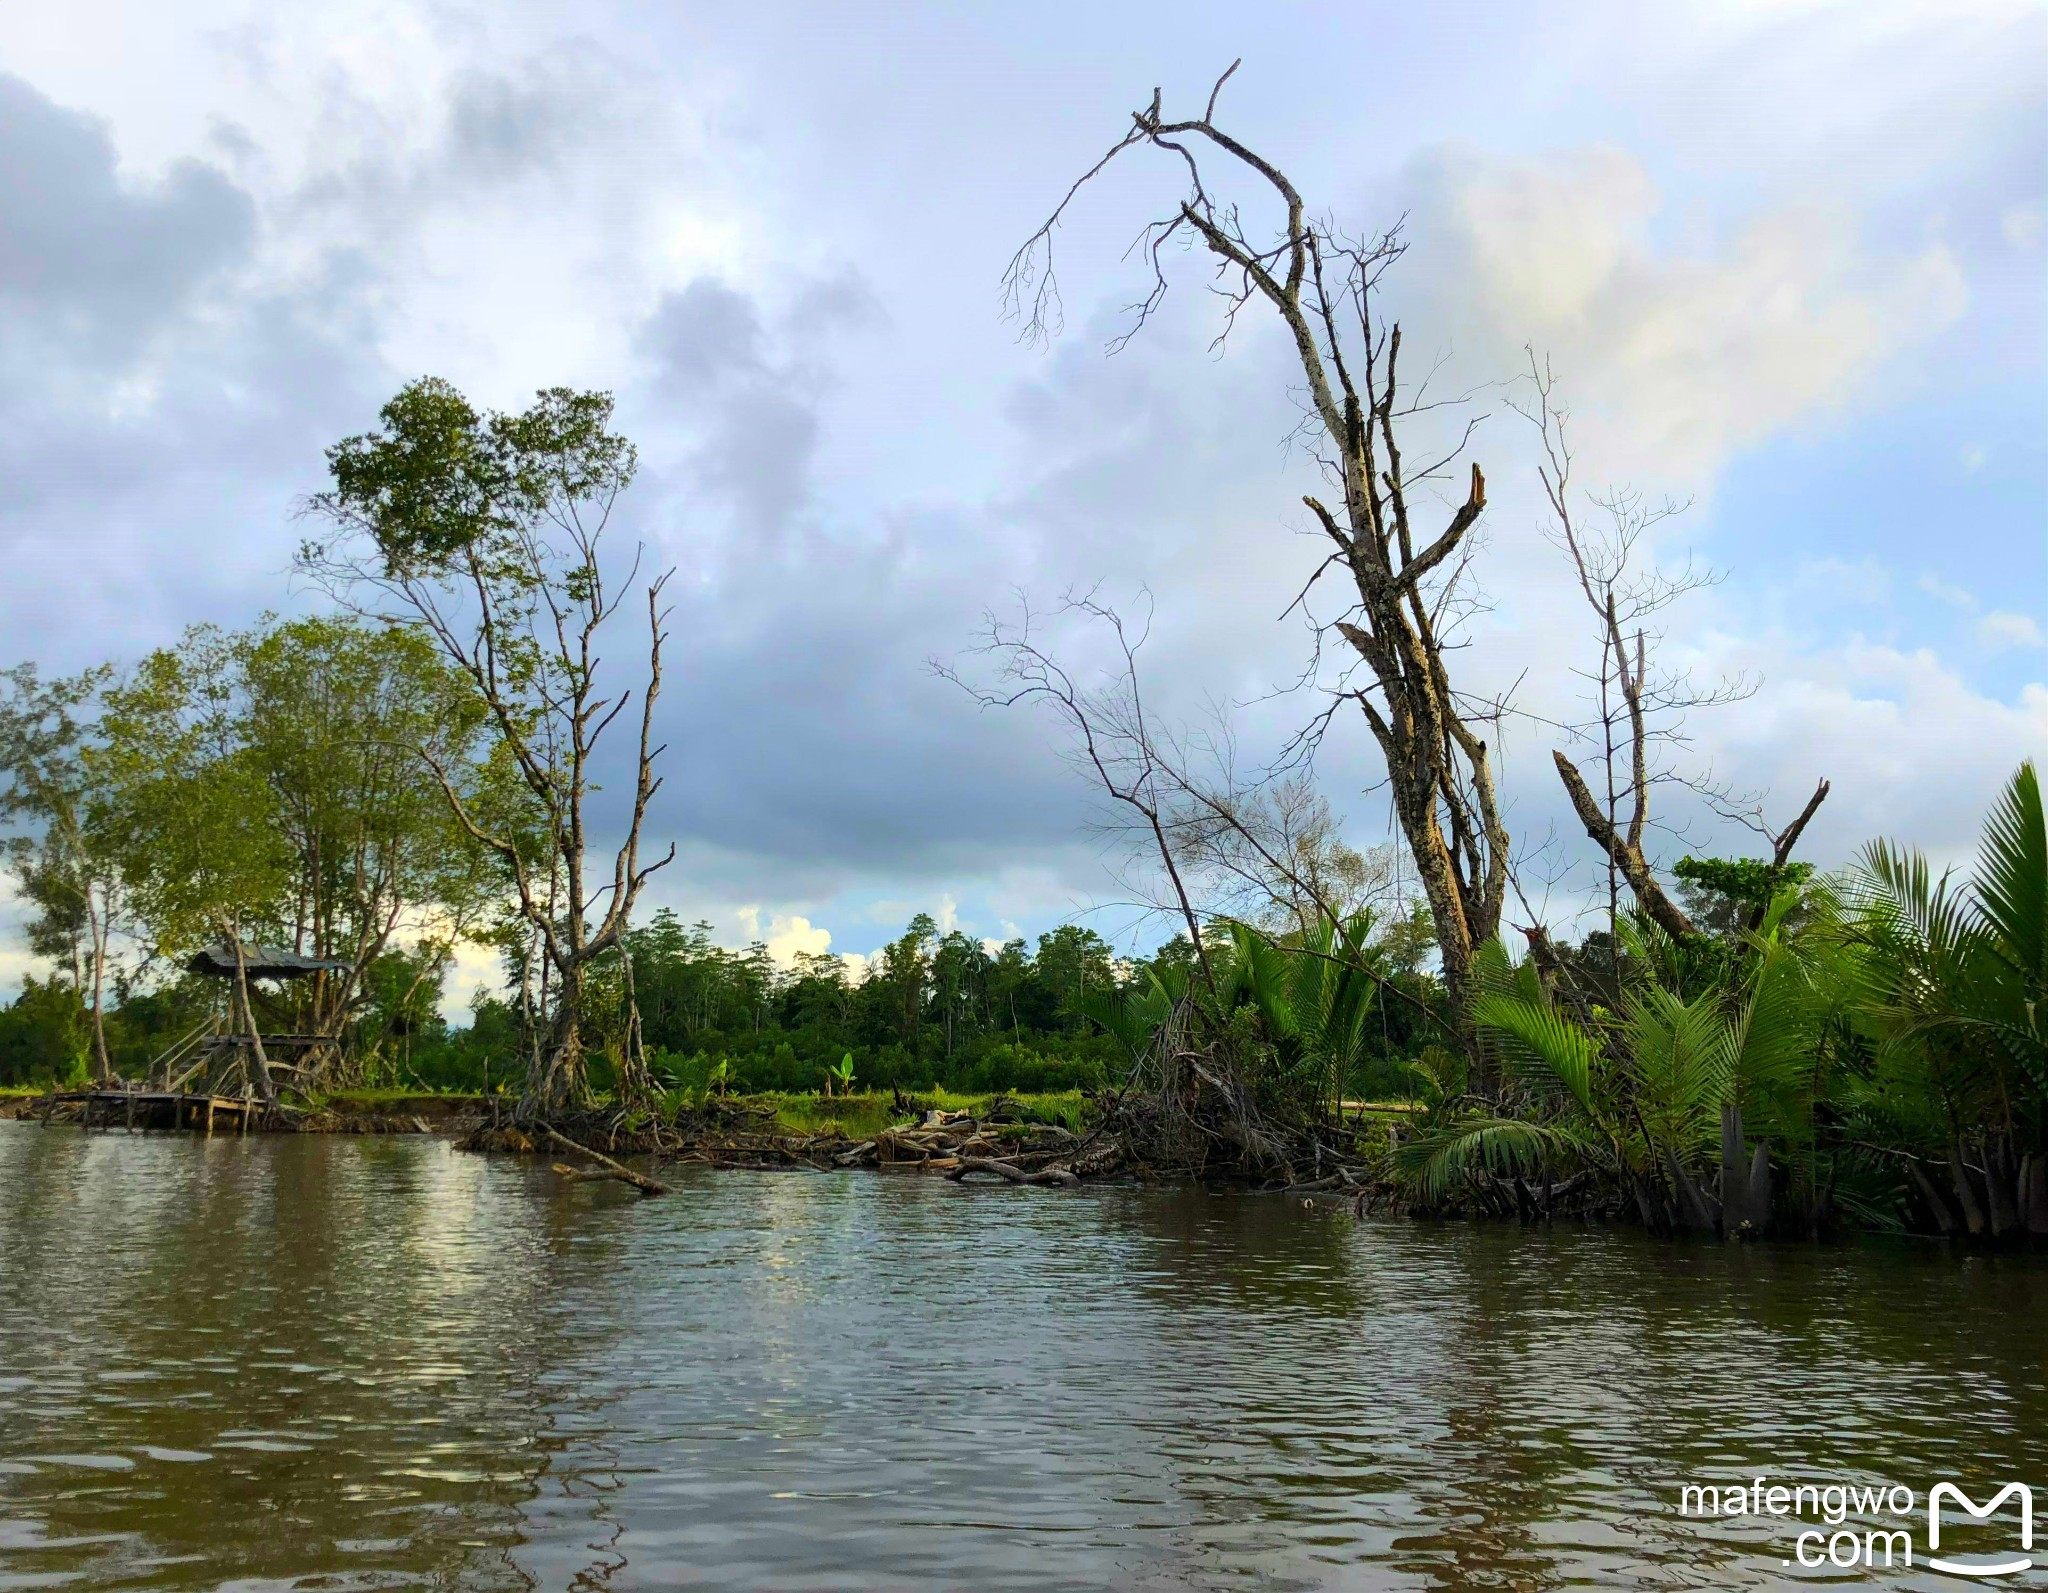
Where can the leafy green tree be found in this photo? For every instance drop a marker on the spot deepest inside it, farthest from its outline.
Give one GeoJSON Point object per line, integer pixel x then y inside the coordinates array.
{"type": "Point", "coordinates": [906, 979]}
{"type": "Point", "coordinates": [340, 717]}
{"type": "Point", "coordinates": [297, 747]}
{"type": "Point", "coordinates": [1073, 961]}
{"type": "Point", "coordinates": [959, 977]}
{"type": "Point", "coordinates": [484, 531]}
{"type": "Point", "coordinates": [192, 815]}
{"type": "Point", "coordinates": [43, 1034]}
{"type": "Point", "coordinates": [61, 860]}
{"type": "Point", "coordinates": [1954, 997]}
{"type": "Point", "coordinates": [1642, 1092]}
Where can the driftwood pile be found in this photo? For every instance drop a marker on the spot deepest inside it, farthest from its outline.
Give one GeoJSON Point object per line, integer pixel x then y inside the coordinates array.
{"type": "Point", "coordinates": [951, 1145]}
{"type": "Point", "coordinates": [955, 1145]}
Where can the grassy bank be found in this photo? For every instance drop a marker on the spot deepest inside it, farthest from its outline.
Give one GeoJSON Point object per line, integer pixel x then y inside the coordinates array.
{"type": "Point", "coordinates": [792, 1112]}
{"type": "Point", "coordinates": [856, 1116]}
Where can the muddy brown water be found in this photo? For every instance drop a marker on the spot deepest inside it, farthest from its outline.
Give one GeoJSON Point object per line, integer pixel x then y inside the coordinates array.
{"type": "Point", "coordinates": [321, 1362]}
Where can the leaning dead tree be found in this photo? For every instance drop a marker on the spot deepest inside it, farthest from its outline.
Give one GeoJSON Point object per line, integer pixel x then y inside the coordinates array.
{"type": "Point", "coordinates": [1401, 575]}
{"type": "Point", "coordinates": [1639, 709]}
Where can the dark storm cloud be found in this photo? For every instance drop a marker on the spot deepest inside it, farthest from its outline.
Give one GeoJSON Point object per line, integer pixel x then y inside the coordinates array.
{"type": "Point", "coordinates": [91, 267]}
{"type": "Point", "coordinates": [501, 127]}
{"type": "Point", "coordinates": [752, 393]}
{"type": "Point", "coordinates": [811, 744]}
{"type": "Point", "coordinates": [808, 732]}
{"type": "Point", "coordinates": [156, 408]}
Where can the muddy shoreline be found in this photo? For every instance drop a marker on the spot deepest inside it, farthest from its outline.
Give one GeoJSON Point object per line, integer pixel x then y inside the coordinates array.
{"type": "Point", "coordinates": [954, 1145]}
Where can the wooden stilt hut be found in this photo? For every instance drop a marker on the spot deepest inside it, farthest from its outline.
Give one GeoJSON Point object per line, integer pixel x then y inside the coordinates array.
{"type": "Point", "coordinates": [226, 1067]}
{"type": "Point", "coordinates": [237, 1057]}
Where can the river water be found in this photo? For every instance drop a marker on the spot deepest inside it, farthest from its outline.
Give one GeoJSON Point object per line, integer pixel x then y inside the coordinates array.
{"type": "Point", "coordinates": [323, 1362]}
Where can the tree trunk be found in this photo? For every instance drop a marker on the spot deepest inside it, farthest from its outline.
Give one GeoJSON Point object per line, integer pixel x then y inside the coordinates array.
{"type": "Point", "coordinates": [1944, 1219]}
{"type": "Point", "coordinates": [259, 1064]}
{"type": "Point", "coordinates": [555, 1079]}
{"type": "Point", "coordinates": [1760, 1188]}
{"type": "Point", "coordinates": [97, 922]}
{"type": "Point", "coordinates": [2034, 1180]}
{"type": "Point", "coordinates": [636, 1084]}
{"type": "Point", "coordinates": [1966, 1194]}
{"type": "Point", "coordinates": [2001, 1183]}
{"type": "Point", "coordinates": [1734, 1174]}
{"type": "Point", "coordinates": [1624, 853]}
{"type": "Point", "coordinates": [1693, 1202]}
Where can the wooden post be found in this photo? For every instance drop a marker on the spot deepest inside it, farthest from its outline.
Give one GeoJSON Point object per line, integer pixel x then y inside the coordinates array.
{"type": "Point", "coordinates": [209, 1117]}
{"type": "Point", "coordinates": [131, 1111]}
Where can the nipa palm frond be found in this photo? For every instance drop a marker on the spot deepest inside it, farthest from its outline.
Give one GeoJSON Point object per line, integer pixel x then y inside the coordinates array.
{"type": "Point", "coordinates": [1545, 1051]}
{"type": "Point", "coordinates": [2011, 881]}
{"type": "Point", "coordinates": [1444, 1156]}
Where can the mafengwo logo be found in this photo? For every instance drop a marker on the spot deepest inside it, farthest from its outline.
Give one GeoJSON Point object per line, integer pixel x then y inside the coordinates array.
{"type": "Point", "coordinates": [2012, 1565]}
{"type": "Point", "coordinates": [1856, 1529]}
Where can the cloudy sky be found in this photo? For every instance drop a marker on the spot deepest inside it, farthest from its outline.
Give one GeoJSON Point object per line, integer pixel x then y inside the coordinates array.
{"type": "Point", "coordinates": [1785, 259]}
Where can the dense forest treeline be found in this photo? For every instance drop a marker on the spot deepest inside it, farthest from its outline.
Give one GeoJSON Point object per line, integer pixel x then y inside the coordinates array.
{"type": "Point", "coordinates": [935, 1010]}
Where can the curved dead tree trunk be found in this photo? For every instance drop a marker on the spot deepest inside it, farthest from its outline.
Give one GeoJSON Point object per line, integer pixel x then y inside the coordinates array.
{"type": "Point", "coordinates": [1624, 849]}
{"type": "Point", "coordinates": [1634, 706]}
{"type": "Point", "coordinates": [1399, 575]}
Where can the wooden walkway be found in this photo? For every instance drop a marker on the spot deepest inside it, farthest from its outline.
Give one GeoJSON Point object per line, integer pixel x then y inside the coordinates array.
{"type": "Point", "coordinates": [177, 1109]}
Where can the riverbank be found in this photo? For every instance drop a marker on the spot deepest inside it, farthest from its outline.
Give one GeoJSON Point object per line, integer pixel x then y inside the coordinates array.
{"type": "Point", "coordinates": [1051, 1138]}
{"type": "Point", "coordinates": [752, 1130]}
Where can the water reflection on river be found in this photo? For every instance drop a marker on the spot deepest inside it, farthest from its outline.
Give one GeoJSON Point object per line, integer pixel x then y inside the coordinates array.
{"type": "Point", "coordinates": [335, 1363]}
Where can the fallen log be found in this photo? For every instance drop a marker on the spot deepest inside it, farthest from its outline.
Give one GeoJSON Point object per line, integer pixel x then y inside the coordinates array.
{"type": "Point", "coordinates": [625, 1175]}
{"type": "Point", "coordinates": [591, 1175]}
{"type": "Point", "coordinates": [1014, 1174]}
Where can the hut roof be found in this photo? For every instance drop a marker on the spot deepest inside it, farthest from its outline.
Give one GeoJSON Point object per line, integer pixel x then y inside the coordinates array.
{"type": "Point", "coordinates": [262, 962]}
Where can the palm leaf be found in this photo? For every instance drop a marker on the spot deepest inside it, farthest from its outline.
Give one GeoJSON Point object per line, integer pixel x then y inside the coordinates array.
{"type": "Point", "coordinates": [1502, 1145]}
{"type": "Point", "coordinates": [1548, 1052]}
{"type": "Point", "coordinates": [2011, 882]}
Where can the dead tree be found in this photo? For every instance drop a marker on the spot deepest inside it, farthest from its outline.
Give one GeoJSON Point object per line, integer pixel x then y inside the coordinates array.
{"type": "Point", "coordinates": [1637, 711]}
{"type": "Point", "coordinates": [1114, 741]}
{"type": "Point", "coordinates": [1322, 284]}
{"type": "Point", "coordinates": [1749, 812]}
{"type": "Point", "coordinates": [1222, 843]}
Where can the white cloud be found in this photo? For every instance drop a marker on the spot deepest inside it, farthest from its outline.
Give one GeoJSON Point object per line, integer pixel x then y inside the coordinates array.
{"type": "Point", "coordinates": [1913, 751]}
{"type": "Point", "coordinates": [2004, 628]}
{"type": "Point", "coordinates": [1674, 358]}
{"type": "Point", "coordinates": [1849, 580]}
{"type": "Point", "coordinates": [1955, 596]}
{"type": "Point", "coordinates": [786, 936]}
{"type": "Point", "coordinates": [473, 971]}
